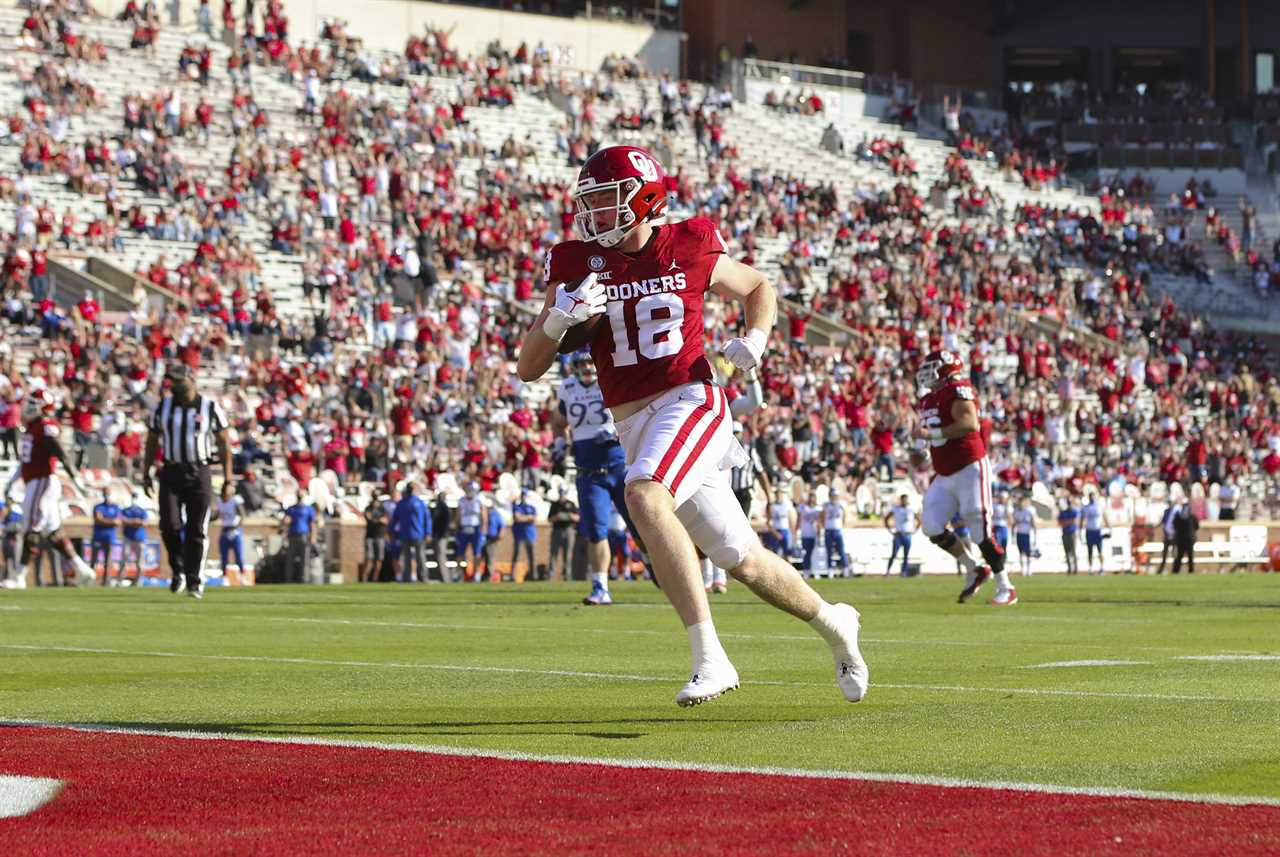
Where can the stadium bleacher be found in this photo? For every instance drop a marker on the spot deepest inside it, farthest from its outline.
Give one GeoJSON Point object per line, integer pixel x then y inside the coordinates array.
{"type": "Point", "coordinates": [888, 246]}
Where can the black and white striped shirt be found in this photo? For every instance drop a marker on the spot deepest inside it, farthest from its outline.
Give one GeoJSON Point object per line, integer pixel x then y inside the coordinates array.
{"type": "Point", "coordinates": [743, 477]}
{"type": "Point", "coordinates": [186, 434]}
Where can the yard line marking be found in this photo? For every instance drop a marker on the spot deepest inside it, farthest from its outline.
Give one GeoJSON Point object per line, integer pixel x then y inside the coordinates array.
{"type": "Point", "coordinates": [1085, 663]}
{"type": "Point", "coordinates": [24, 795]}
{"type": "Point", "coordinates": [1227, 658]}
{"type": "Point", "coordinates": [671, 765]}
{"type": "Point", "coordinates": [186, 615]}
{"type": "Point", "coordinates": [947, 688]}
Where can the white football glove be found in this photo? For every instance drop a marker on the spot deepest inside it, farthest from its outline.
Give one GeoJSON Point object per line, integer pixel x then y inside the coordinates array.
{"type": "Point", "coordinates": [573, 307]}
{"type": "Point", "coordinates": [745, 352]}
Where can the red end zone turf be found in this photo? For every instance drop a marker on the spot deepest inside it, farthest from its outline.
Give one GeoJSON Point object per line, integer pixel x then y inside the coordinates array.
{"type": "Point", "coordinates": [130, 794]}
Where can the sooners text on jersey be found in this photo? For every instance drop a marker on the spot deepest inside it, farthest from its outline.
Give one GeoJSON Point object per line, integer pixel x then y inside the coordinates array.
{"type": "Point", "coordinates": [958, 453]}
{"type": "Point", "coordinates": [37, 449]}
{"type": "Point", "coordinates": [653, 340]}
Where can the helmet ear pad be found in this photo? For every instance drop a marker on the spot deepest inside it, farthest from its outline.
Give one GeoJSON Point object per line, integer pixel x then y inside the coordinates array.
{"type": "Point", "coordinates": [652, 198]}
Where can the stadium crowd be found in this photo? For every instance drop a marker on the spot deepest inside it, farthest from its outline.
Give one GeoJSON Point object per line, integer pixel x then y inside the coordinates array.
{"type": "Point", "coordinates": [417, 281]}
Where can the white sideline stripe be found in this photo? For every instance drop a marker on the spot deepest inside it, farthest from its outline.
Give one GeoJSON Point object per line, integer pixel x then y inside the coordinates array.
{"type": "Point", "coordinates": [1085, 663]}
{"type": "Point", "coordinates": [1029, 691]}
{"type": "Point", "coordinates": [1227, 658]}
{"type": "Point", "coordinates": [24, 795]}
{"type": "Point", "coordinates": [671, 765]}
{"type": "Point", "coordinates": [187, 615]}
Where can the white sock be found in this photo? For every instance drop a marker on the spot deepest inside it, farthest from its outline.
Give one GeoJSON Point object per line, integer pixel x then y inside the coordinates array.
{"type": "Point", "coordinates": [718, 575]}
{"type": "Point", "coordinates": [967, 563]}
{"type": "Point", "coordinates": [707, 572]}
{"type": "Point", "coordinates": [601, 579]}
{"type": "Point", "coordinates": [827, 624]}
{"type": "Point", "coordinates": [81, 566]}
{"type": "Point", "coordinates": [1002, 581]}
{"type": "Point", "coordinates": [705, 644]}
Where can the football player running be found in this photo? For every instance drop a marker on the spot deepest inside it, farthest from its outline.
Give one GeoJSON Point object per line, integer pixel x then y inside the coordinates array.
{"type": "Point", "coordinates": [648, 280]}
{"type": "Point", "coordinates": [962, 476]}
{"type": "Point", "coordinates": [602, 468]}
{"type": "Point", "coordinates": [39, 452]}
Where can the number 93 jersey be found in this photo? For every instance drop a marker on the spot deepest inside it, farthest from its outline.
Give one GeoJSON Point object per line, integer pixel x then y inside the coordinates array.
{"type": "Point", "coordinates": [595, 440]}
{"type": "Point", "coordinates": [653, 340]}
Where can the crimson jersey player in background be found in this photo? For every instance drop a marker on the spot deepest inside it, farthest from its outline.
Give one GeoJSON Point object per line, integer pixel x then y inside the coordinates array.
{"type": "Point", "coordinates": [40, 452]}
{"type": "Point", "coordinates": [640, 283]}
{"type": "Point", "coordinates": [962, 481]}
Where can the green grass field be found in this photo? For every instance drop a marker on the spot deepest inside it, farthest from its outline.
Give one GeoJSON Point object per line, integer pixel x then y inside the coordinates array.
{"type": "Point", "coordinates": [526, 669]}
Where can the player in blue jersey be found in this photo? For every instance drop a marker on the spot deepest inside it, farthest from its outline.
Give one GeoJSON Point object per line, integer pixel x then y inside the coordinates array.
{"type": "Point", "coordinates": [106, 524]}
{"type": "Point", "coordinates": [11, 521]}
{"type": "Point", "coordinates": [135, 536]}
{"type": "Point", "coordinates": [602, 468]}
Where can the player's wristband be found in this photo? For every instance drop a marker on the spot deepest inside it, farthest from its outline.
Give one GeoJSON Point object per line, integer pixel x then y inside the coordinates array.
{"type": "Point", "coordinates": [555, 326]}
{"type": "Point", "coordinates": [936, 434]}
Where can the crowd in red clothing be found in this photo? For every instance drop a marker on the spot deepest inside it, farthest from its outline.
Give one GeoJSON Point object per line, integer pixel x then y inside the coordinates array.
{"type": "Point", "coordinates": [399, 362]}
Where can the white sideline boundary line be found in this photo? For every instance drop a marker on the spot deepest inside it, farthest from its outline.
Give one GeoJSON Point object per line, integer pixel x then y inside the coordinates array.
{"type": "Point", "coordinates": [1026, 691]}
{"type": "Point", "coordinates": [670, 765]}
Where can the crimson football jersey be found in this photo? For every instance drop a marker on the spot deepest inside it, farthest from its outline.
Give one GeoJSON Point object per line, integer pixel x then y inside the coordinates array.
{"type": "Point", "coordinates": [653, 338]}
{"type": "Point", "coordinates": [950, 456]}
{"type": "Point", "coordinates": [37, 448]}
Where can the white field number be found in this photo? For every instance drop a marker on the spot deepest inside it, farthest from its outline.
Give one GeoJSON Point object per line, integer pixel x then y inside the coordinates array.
{"type": "Point", "coordinates": [23, 795]}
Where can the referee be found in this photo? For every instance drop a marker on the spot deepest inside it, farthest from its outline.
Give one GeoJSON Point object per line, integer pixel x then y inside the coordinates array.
{"type": "Point", "coordinates": [184, 427]}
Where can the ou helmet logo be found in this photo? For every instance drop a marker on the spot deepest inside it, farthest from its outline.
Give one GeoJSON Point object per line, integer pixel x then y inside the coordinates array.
{"type": "Point", "coordinates": [644, 165]}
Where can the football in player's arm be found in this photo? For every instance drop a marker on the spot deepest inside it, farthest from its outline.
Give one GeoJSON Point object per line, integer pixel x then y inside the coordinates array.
{"type": "Point", "coordinates": [566, 306]}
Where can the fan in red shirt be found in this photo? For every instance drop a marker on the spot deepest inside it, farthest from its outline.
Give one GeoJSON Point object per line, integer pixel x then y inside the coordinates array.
{"type": "Point", "coordinates": [633, 290]}
{"type": "Point", "coordinates": [1271, 463]}
{"type": "Point", "coordinates": [302, 466]}
{"type": "Point", "coordinates": [962, 481]}
{"type": "Point", "coordinates": [336, 451]}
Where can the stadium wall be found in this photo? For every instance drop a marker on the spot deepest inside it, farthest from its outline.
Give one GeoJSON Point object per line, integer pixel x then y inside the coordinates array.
{"type": "Point", "coordinates": [926, 41]}
{"type": "Point", "coordinates": [868, 545]}
{"type": "Point", "coordinates": [585, 43]}
{"type": "Point", "coordinates": [387, 25]}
